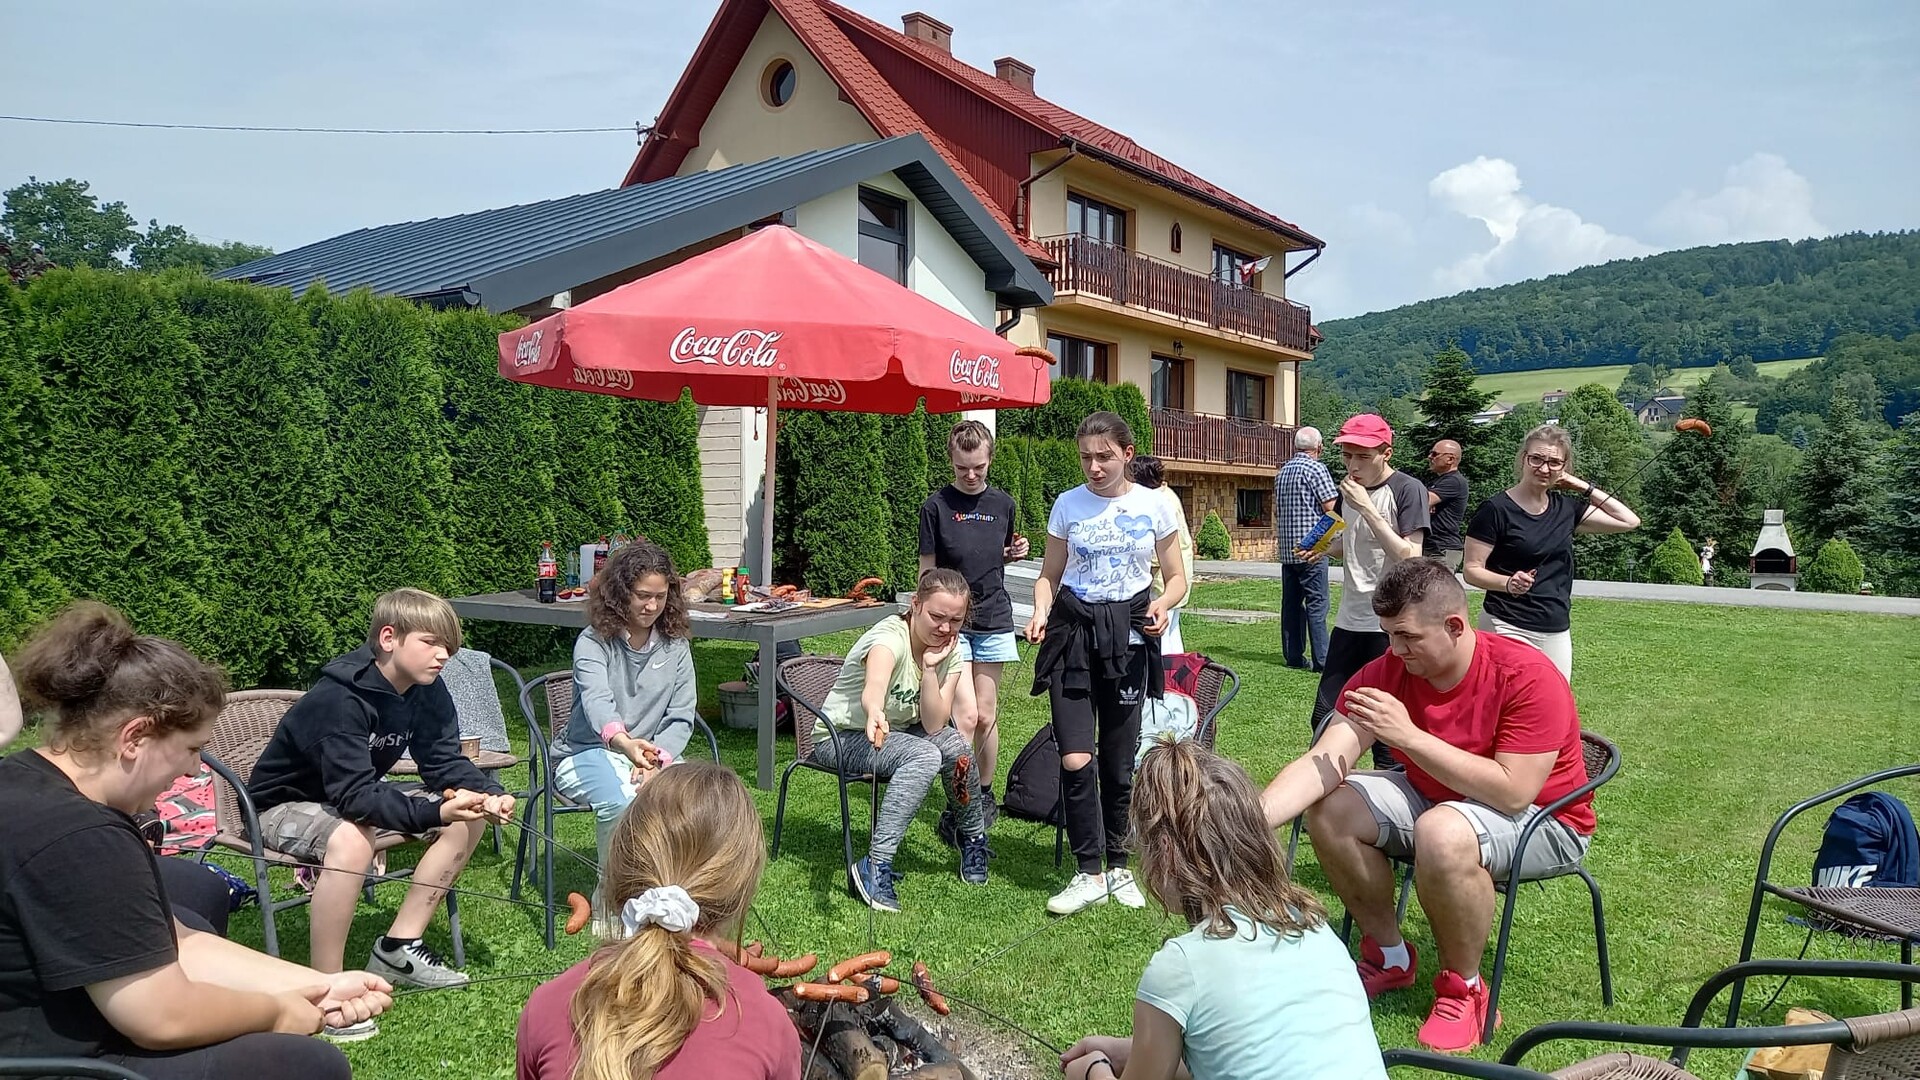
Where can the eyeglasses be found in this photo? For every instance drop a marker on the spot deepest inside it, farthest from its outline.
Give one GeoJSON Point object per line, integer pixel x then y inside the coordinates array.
{"type": "Point", "coordinates": [1538, 461]}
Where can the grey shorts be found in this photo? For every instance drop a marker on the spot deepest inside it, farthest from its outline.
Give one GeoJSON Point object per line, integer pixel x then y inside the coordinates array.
{"type": "Point", "coordinates": [1554, 848]}
{"type": "Point", "coordinates": [301, 829]}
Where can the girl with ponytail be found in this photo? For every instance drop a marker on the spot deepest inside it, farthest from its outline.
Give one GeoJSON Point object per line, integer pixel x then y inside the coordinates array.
{"type": "Point", "coordinates": [669, 1001]}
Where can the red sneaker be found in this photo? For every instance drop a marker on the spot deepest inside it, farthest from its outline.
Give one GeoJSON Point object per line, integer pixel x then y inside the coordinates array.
{"type": "Point", "coordinates": [1459, 1014]}
{"type": "Point", "coordinates": [1375, 977]}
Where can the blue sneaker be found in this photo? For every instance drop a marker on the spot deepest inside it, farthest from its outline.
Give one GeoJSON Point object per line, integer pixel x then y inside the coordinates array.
{"type": "Point", "coordinates": [973, 860]}
{"type": "Point", "coordinates": [873, 884]}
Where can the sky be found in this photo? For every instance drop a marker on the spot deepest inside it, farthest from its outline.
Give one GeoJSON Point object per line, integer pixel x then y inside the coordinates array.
{"type": "Point", "coordinates": [1435, 148]}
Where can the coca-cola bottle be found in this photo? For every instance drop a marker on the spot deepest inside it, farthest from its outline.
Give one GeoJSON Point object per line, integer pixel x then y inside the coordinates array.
{"type": "Point", "coordinates": [547, 589]}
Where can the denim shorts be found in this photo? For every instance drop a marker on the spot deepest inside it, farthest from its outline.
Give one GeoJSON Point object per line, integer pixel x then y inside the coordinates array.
{"type": "Point", "coordinates": [999, 648]}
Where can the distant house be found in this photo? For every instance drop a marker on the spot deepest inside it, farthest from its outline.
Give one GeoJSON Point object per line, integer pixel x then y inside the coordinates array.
{"type": "Point", "coordinates": [1552, 398]}
{"type": "Point", "coordinates": [1661, 409]}
{"type": "Point", "coordinates": [1493, 413]}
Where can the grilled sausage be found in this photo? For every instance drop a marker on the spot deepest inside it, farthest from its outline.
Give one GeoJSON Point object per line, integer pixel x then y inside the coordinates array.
{"type": "Point", "coordinates": [760, 965]}
{"type": "Point", "coordinates": [923, 982]}
{"type": "Point", "coordinates": [580, 914]}
{"type": "Point", "coordinates": [796, 967]}
{"type": "Point", "coordinates": [848, 968]}
{"type": "Point", "coordinates": [811, 991]}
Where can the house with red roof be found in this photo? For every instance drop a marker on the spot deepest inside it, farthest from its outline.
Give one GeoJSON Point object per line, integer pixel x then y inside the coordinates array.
{"type": "Point", "coordinates": [1161, 278]}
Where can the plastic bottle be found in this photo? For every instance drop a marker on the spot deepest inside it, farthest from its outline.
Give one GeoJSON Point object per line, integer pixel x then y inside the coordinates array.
{"type": "Point", "coordinates": [547, 588]}
{"type": "Point", "coordinates": [741, 582]}
{"type": "Point", "coordinates": [726, 585]}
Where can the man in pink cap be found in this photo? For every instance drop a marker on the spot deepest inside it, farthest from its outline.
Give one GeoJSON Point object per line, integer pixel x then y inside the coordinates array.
{"type": "Point", "coordinates": [1386, 515]}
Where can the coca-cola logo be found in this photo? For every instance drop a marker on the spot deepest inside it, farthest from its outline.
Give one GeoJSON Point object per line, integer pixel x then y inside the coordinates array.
{"type": "Point", "coordinates": [813, 392]}
{"type": "Point", "coordinates": [982, 370]}
{"type": "Point", "coordinates": [526, 351]}
{"type": "Point", "coordinates": [742, 348]}
{"type": "Point", "coordinates": [967, 398]}
{"type": "Point", "coordinates": [604, 378]}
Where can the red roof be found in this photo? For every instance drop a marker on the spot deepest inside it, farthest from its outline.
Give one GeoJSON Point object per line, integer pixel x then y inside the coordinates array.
{"type": "Point", "coordinates": [836, 36]}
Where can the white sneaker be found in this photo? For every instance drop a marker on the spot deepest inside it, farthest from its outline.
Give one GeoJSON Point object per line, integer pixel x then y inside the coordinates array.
{"type": "Point", "coordinates": [1082, 891]}
{"type": "Point", "coordinates": [1121, 884]}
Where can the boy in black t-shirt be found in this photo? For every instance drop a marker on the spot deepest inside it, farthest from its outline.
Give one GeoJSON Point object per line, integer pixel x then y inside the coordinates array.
{"type": "Point", "coordinates": [967, 527]}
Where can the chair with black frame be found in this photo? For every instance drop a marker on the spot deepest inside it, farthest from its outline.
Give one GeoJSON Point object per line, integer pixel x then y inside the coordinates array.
{"type": "Point", "coordinates": [1603, 762]}
{"type": "Point", "coordinates": [806, 681]}
{"type": "Point", "coordinates": [67, 1068]}
{"type": "Point", "coordinates": [476, 700]}
{"type": "Point", "coordinates": [1889, 914]}
{"type": "Point", "coordinates": [240, 734]}
{"type": "Point", "coordinates": [556, 689]}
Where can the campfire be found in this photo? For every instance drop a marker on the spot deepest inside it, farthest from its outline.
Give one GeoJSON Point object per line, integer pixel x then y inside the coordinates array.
{"type": "Point", "coordinates": [852, 1017]}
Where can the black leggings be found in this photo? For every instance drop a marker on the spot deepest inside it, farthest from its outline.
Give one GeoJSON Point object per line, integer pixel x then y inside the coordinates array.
{"type": "Point", "coordinates": [198, 896]}
{"type": "Point", "coordinates": [1097, 803]}
{"type": "Point", "coordinates": [1347, 652]}
{"type": "Point", "coordinates": [283, 1057]}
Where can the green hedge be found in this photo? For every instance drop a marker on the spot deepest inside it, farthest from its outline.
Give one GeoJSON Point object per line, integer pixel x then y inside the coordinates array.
{"type": "Point", "coordinates": [1835, 569]}
{"type": "Point", "coordinates": [1214, 542]}
{"type": "Point", "coordinates": [1073, 400]}
{"type": "Point", "coordinates": [245, 472]}
{"type": "Point", "coordinates": [1674, 562]}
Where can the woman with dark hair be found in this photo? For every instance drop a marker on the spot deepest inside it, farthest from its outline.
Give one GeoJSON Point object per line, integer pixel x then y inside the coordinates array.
{"type": "Point", "coordinates": [1151, 473]}
{"type": "Point", "coordinates": [1261, 986]}
{"type": "Point", "coordinates": [633, 688]}
{"type": "Point", "coordinates": [92, 963]}
{"type": "Point", "coordinates": [1099, 628]}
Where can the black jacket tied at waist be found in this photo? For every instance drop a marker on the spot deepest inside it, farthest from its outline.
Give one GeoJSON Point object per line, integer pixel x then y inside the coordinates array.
{"type": "Point", "coordinates": [1087, 641]}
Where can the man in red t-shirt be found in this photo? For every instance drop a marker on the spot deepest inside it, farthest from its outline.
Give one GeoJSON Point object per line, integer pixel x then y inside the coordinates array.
{"type": "Point", "coordinates": [1486, 730]}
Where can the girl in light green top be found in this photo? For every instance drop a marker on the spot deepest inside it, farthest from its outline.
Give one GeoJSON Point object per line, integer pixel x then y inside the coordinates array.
{"type": "Point", "coordinates": [890, 715]}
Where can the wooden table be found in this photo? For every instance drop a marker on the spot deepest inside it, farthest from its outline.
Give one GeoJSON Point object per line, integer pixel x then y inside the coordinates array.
{"type": "Point", "coordinates": [765, 630]}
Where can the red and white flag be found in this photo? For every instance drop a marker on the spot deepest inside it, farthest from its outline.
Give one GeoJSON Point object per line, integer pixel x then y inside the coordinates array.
{"type": "Point", "coordinates": [1248, 269]}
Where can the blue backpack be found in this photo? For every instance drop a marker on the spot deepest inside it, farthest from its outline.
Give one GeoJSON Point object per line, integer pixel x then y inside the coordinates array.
{"type": "Point", "coordinates": [1869, 841]}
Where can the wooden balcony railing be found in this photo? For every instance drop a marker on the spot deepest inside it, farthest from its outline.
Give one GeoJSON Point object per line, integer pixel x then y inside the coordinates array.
{"type": "Point", "coordinates": [1097, 268]}
{"type": "Point", "coordinates": [1226, 440]}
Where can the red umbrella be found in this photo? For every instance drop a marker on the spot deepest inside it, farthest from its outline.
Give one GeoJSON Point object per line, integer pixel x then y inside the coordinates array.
{"type": "Point", "coordinates": [775, 319]}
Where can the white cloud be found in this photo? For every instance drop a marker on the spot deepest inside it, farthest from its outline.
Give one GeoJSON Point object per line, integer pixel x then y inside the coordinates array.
{"type": "Point", "coordinates": [1762, 199]}
{"type": "Point", "coordinates": [1530, 238]}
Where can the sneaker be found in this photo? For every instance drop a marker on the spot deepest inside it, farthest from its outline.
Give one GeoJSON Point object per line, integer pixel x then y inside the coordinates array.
{"type": "Point", "coordinates": [873, 884]}
{"type": "Point", "coordinates": [1121, 884]}
{"type": "Point", "coordinates": [1084, 890]}
{"type": "Point", "coordinates": [365, 1029]}
{"type": "Point", "coordinates": [989, 810]}
{"type": "Point", "coordinates": [411, 963]}
{"type": "Point", "coordinates": [973, 860]}
{"type": "Point", "coordinates": [948, 828]}
{"type": "Point", "coordinates": [1459, 1013]}
{"type": "Point", "coordinates": [1376, 977]}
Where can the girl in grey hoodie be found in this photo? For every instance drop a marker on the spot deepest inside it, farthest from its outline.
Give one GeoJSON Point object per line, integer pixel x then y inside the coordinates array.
{"type": "Point", "coordinates": [633, 687]}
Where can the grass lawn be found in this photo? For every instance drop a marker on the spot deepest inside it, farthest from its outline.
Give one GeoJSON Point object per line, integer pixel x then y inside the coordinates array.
{"type": "Point", "coordinates": [1725, 716]}
{"type": "Point", "coordinates": [1515, 387]}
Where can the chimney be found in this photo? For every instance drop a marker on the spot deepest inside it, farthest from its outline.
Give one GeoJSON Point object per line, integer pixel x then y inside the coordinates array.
{"type": "Point", "coordinates": [921, 26]}
{"type": "Point", "coordinates": [1014, 73]}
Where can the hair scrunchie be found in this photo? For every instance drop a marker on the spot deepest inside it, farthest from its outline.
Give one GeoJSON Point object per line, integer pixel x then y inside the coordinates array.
{"type": "Point", "coordinates": [666, 906]}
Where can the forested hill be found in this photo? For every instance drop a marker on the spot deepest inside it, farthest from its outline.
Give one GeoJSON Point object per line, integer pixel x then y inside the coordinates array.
{"type": "Point", "coordinates": [1773, 300]}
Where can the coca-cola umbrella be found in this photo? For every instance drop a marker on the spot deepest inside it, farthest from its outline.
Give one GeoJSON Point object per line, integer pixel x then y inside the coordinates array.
{"type": "Point", "coordinates": [776, 319]}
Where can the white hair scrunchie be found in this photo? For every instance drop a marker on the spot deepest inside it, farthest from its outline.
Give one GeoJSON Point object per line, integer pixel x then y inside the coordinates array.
{"type": "Point", "coordinates": [666, 906]}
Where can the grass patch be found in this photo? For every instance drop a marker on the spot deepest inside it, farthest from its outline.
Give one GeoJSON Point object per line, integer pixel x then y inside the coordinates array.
{"type": "Point", "coordinates": [1725, 716]}
{"type": "Point", "coordinates": [1514, 387]}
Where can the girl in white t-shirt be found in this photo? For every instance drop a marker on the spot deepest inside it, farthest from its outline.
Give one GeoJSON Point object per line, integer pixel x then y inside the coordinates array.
{"type": "Point", "coordinates": [1261, 988]}
{"type": "Point", "coordinates": [1099, 629]}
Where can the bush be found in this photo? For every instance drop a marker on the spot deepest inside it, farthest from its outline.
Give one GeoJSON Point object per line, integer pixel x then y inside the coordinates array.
{"type": "Point", "coordinates": [1126, 400]}
{"type": "Point", "coordinates": [1214, 542]}
{"type": "Point", "coordinates": [1674, 562]}
{"type": "Point", "coordinates": [904, 462]}
{"type": "Point", "coordinates": [27, 588]}
{"type": "Point", "coordinates": [1071, 402]}
{"type": "Point", "coordinates": [1835, 569]}
{"type": "Point", "coordinates": [660, 490]}
{"type": "Point", "coordinates": [841, 529]}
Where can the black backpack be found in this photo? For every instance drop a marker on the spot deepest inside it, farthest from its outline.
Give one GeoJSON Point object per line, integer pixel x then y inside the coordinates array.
{"type": "Point", "coordinates": [1033, 783]}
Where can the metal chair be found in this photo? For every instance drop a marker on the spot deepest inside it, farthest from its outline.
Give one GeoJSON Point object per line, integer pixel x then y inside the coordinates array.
{"type": "Point", "coordinates": [1889, 913]}
{"type": "Point", "coordinates": [806, 680]}
{"type": "Point", "coordinates": [74, 1068]}
{"type": "Point", "coordinates": [246, 723]}
{"type": "Point", "coordinates": [556, 687]}
{"type": "Point", "coordinates": [1457, 1066]}
{"type": "Point", "coordinates": [490, 762]}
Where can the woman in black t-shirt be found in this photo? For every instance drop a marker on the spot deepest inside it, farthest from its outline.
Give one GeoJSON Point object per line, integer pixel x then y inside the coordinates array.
{"type": "Point", "coordinates": [1520, 545]}
{"type": "Point", "coordinates": [92, 962]}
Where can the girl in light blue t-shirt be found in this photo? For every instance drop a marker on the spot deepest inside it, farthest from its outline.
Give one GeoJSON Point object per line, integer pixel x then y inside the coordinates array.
{"type": "Point", "coordinates": [1261, 988]}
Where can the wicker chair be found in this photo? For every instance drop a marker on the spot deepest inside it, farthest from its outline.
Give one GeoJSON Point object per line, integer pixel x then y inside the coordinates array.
{"type": "Point", "coordinates": [806, 680]}
{"type": "Point", "coordinates": [247, 721]}
{"type": "Point", "coordinates": [1891, 914]}
{"type": "Point", "coordinates": [556, 688]}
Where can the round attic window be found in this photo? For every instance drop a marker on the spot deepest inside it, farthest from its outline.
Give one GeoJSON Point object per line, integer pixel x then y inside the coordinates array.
{"type": "Point", "coordinates": [776, 87]}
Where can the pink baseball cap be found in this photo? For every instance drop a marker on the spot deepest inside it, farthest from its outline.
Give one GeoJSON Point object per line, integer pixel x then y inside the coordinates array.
{"type": "Point", "coordinates": [1365, 430]}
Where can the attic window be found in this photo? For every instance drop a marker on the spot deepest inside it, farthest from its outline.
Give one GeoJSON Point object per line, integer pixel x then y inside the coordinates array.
{"type": "Point", "coordinates": [776, 86]}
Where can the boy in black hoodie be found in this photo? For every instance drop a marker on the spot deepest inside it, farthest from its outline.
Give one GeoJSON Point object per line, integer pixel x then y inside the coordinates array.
{"type": "Point", "coordinates": [319, 788]}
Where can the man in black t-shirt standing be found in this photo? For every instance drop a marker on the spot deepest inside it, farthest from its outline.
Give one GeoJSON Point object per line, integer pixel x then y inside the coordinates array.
{"type": "Point", "coordinates": [1446, 504]}
{"type": "Point", "coordinates": [967, 527]}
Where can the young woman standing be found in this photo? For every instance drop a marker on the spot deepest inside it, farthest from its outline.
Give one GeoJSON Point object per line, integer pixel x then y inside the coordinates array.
{"type": "Point", "coordinates": [1099, 627]}
{"type": "Point", "coordinates": [890, 714]}
{"type": "Point", "coordinates": [967, 527]}
{"type": "Point", "coordinates": [1150, 473]}
{"type": "Point", "coordinates": [1520, 545]}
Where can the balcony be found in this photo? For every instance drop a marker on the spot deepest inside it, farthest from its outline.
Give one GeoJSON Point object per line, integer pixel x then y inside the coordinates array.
{"type": "Point", "coordinates": [1098, 269]}
{"type": "Point", "coordinates": [1222, 440]}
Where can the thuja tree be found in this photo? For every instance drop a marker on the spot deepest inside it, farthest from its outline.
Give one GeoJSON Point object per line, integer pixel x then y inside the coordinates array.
{"type": "Point", "coordinates": [27, 587]}
{"type": "Point", "coordinates": [262, 482]}
{"type": "Point", "coordinates": [389, 520]}
{"type": "Point", "coordinates": [660, 489]}
{"type": "Point", "coordinates": [839, 523]}
{"type": "Point", "coordinates": [586, 486]}
{"type": "Point", "coordinates": [904, 467]}
{"type": "Point", "coordinates": [119, 363]}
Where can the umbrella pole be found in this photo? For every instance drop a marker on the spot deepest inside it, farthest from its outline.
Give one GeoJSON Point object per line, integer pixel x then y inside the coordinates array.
{"type": "Point", "coordinates": [765, 569]}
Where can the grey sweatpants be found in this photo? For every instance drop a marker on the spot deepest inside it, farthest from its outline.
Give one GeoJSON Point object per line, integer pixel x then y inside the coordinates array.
{"type": "Point", "coordinates": [909, 761]}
